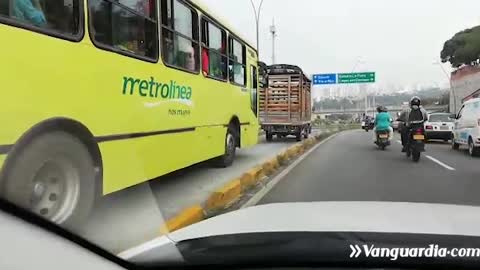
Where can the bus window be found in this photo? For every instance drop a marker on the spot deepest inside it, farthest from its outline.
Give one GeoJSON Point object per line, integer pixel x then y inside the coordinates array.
{"type": "Point", "coordinates": [254, 93]}
{"type": "Point", "coordinates": [122, 28]}
{"type": "Point", "coordinates": [146, 8]}
{"type": "Point", "coordinates": [5, 8]}
{"type": "Point", "coordinates": [237, 62]}
{"type": "Point", "coordinates": [58, 16]}
{"type": "Point", "coordinates": [214, 53]}
{"type": "Point", "coordinates": [180, 35]}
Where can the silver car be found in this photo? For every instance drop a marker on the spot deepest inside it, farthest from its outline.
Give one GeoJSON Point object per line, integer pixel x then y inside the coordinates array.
{"type": "Point", "coordinates": [439, 126]}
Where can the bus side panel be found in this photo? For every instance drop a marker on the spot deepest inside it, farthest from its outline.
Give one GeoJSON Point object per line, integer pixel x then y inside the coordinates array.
{"type": "Point", "coordinates": [249, 135]}
{"type": "Point", "coordinates": [2, 160]}
{"type": "Point", "coordinates": [131, 162]}
{"type": "Point", "coordinates": [110, 95]}
{"type": "Point", "coordinates": [251, 130]}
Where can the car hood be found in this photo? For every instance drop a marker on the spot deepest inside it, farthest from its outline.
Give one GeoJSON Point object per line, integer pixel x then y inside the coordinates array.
{"type": "Point", "coordinates": [365, 217]}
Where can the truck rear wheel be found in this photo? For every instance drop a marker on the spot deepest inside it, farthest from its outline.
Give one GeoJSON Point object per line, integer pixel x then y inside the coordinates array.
{"type": "Point", "coordinates": [53, 176]}
{"type": "Point", "coordinates": [298, 136]}
{"type": "Point", "coordinates": [269, 136]}
{"type": "Point", "coordinates": [306, 133]}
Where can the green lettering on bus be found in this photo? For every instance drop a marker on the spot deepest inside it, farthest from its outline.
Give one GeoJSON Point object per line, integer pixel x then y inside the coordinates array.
{"type": "Point", "coordinates": [132, 81]}
{"type": "Point", "coordinates": [165, 90]}
{"type": "Point", "coordinates": [152, 83]}
{"type": "Point", "coordinates": [159, 85]}
{"type": "Point", "coordinates": [143, 86]}
{"type": "Point", "coordinates": [150, 88]}
{"type": "Point", "coordinates": [183, 92]}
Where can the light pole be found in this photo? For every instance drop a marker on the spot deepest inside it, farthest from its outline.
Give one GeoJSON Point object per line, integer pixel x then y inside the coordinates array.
{"type": "Point", "coordinates": [257, 13]}
{"type": "Point", "coordinates": [273, 31]}
{"type": "Point", "coordinates": [358, 62]}
{"type": "Point", "coordinates": [452, 88]}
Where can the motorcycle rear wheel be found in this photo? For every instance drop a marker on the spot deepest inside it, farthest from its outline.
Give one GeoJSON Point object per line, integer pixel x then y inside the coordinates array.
{"type": "Point", "coordinates": [416, 156]}
{"type": "Point", "coordinates": [408, 152]}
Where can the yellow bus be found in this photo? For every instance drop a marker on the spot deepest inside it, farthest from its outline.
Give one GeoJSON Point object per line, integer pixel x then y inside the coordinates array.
{"type": "Point", "coordinates": [100, 95]}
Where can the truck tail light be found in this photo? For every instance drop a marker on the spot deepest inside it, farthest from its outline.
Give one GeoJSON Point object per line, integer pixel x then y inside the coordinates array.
{"type": "Point", "coordinates": [428, 127]}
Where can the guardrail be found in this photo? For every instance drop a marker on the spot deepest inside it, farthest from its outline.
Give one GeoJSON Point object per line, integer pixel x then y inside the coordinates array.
{"type": "Point", "coordinates": [391, 108]}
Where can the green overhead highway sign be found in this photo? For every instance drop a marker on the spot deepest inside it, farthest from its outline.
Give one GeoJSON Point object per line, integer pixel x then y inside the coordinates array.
{"type": "Point", "coordinates": [360, 77]}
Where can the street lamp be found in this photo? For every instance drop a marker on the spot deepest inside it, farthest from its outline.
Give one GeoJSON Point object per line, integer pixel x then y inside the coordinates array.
{"type": "Point", "coordinates": [452, 88]}
{"type": "Point", "coordinates": [257, 13]}
{"type": "Point", "coordinates": [358, 62]}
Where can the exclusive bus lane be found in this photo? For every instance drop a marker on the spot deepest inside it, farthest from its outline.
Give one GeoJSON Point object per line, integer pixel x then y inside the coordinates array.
{"type": "Point", "coordinates": [133, 216]}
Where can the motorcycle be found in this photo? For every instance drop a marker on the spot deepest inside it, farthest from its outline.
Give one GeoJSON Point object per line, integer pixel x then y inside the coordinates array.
{"type": "Point", "coordinates": [383, 139]}
{"type": "Point", "coordinates": [368, 125]}
{"type": "Point", "coordinates": [416, 143]}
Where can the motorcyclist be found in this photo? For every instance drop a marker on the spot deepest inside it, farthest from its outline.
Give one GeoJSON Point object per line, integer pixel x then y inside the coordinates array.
{"type": "Point", "coordinates": [383, 122]}
{"type": "Point", "coordinates": [415, 115]}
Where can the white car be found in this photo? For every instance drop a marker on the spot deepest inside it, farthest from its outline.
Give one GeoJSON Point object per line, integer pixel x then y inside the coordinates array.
{"type": "Point", "coordinates": [467, 127]}
{"type": "Point", "coordinates": [439, 127]}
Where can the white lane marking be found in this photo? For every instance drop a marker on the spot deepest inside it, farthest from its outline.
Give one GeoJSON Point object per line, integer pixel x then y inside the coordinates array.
{"type": "Point", "coordinates": [260, 194]}
{"type": "Point", "coordinates": [440, 163]}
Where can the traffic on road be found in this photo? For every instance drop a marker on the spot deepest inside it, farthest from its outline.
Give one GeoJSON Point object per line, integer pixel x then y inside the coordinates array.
{"type": "Point", "coordinates": [150, 134]}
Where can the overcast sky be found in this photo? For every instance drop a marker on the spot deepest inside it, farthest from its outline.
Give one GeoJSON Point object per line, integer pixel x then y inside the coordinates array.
{"type": "Point", "coordinates": [398, 39]}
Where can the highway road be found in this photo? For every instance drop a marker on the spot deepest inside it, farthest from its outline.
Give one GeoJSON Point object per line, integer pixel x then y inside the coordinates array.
{"type": "Point", "coordinates": [349, 167]}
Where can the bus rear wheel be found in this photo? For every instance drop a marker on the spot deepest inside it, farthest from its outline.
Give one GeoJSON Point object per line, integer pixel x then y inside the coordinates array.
{"type": "Point", "coordinates": [53, 176]}
{"type": "Point", "coordinates": [226, 160]}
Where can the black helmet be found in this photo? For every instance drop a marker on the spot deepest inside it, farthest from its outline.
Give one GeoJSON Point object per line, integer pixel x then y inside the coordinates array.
{"type": "Point", "coordinates": [415, 101]}
{"type": "Point", "coordinates": [382, 108]}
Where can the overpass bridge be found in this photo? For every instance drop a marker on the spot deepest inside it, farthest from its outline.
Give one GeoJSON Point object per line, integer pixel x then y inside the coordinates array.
{"type": "Point", "coordinates": [432, 108]}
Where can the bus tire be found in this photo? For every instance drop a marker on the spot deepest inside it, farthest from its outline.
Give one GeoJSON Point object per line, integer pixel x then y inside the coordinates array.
{"type": "Point", "coordinates": [226, 160]}
{"type": "Point", "coordinates": [53, 176]}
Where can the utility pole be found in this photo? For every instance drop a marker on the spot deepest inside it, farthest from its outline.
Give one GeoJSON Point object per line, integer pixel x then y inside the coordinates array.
{"type": "Point", "coordinates": [366, 104]}
{"type": "Point", "coordinates": [374, 104]}
{"type": "Point", "coordinates": [273, 31]}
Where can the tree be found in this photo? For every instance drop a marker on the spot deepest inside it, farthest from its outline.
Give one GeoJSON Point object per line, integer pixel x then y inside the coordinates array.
{"type": "Point", "coordinates": [463, 48]}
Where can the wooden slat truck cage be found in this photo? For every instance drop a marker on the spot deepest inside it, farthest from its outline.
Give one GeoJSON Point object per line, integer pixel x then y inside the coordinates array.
{"type": "Point", "coordinates": [285, 103]}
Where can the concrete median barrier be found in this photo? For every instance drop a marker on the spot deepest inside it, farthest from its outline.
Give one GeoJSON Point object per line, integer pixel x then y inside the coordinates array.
{"type": "Point", "coordinates": [270, 166]}
{"type": "Point", "coordinates": [251, 178]}
{"type": "Point", "coordinates": [224, 196]}
{"type": "Point", "coordinates": [283, 158]}
{"type": "Point", "coordinates": [187, 217]}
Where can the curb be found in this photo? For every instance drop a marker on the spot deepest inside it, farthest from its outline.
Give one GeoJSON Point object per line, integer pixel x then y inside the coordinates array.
{"type": "Point", "coordinates": [185, 218]}
{"type": "Point", "coordinates": [226, 195]}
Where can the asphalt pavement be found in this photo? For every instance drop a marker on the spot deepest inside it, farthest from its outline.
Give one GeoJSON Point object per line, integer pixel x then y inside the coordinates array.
{"type": "Point", "coordinates": [349, 167]}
